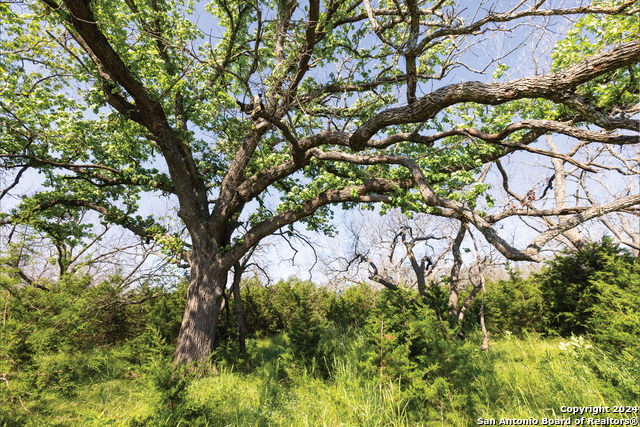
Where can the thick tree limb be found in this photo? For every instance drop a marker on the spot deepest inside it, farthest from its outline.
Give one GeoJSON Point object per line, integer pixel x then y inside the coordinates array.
{"type": "Point", "coordinates": [550, 86]}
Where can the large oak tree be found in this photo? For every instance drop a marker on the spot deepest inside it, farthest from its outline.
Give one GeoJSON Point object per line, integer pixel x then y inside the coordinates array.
{"type": "Point", "coordinates": [268, 113]}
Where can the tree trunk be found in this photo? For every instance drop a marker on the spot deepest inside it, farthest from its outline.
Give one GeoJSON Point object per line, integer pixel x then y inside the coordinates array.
{"type": "Point", "coordinates": [454, 289]}
{"type": "Point", "coordinates": [572, 235]}
{"type": "Point", "coordinates": [204, 302]}
{"type": "Point", "coordinates": [242, 331]}
{"type": "Point", "coordinates": [485, 334]}
{"type": "Point", "coordinates": [467, 303]}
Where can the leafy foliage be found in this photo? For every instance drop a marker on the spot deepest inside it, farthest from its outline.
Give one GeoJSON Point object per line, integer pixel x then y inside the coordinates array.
{"type": "Point", "coordinates": [171, 406]}
{"type": "Point", "coordinates": [58, 336]}
{"type": "Point", "coordinates": [272, 309]}
{"type": "Point", "coordinates": [305, 334]}
{"type": "Point", "coordinates": [353, 306]}
{"type": "Point", "coordinates": [615, 318]}
{"type": "Point", "coordinates": [409, 344]}
{"type": "Point", "coordinates": [513, 305]}
{"type": "Point", "coordinates": [590, 292]}
{"type": "Point", "coordinates": [569, 293]}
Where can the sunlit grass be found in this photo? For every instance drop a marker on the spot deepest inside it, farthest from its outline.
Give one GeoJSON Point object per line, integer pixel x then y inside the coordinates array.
{"type": "Point", "coordinates": [518, 378]}
{"type": "Point", "coordinates": [114, 401]}
{"type": "Point", "coordinates": [534, 378]}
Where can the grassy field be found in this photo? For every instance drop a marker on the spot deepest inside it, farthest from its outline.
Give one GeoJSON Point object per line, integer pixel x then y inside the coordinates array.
{"type": "Point", "coordinates": [523, 378]}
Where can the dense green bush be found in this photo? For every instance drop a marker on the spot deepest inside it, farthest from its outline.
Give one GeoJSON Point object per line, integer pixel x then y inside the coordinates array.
{"type": "Point", "coordinates": [595, 292]}
{"type": "Point", "coordinates": [305, 334]}
{"type": "Point", "coordinates": [614, 319]}
{"type": "Point", "coordinates": [409, 344]}
{"type": "Point", "coordinates": [57, 337]}
{"type": "Point", "coordinates": [568, 292]}
{"type": "Point", "coordinates": [168, 385]}
{"type": "Point", "coordinates": [272, 309]}
{"type": "Point", "coordinates": [43, 328]}
{"type": "Point", "coordinates": [352, 307]}
{"type": "Point", "coordinates": [163, 312]}
{"type": "Point", "coordinates": [436, 297]}
{"type": "Point", "coordinates": [513, 305]}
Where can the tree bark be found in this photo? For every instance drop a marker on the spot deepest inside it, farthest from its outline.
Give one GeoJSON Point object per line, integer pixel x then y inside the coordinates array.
{"type": "Point", "coordinates": [455, 275]}
{"type": "Point", "coordinates": [572, 235]}
{"type": "Point", "coordinates": [204, 302]}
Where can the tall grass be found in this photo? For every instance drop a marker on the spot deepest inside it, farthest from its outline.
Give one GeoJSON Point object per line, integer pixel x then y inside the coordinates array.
{"type": "Point", "coordinates": [535, 378]}
{"type": "Point", "coordinates": [517, 378]}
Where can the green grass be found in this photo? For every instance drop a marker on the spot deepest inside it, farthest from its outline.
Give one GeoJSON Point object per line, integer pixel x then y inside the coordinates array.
{"type": "Point", "coordinates": [114, 401]}
{"type": "Point", "coordinates": [518, 378]}
{"type": "Point", "coordinates": [532, 379]}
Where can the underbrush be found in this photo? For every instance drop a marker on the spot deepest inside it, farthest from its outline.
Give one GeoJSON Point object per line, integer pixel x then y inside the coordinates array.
{"type": "Point", "coordinates": [361, 358]}
{"type": "Point", "coordinates": [518, 378]}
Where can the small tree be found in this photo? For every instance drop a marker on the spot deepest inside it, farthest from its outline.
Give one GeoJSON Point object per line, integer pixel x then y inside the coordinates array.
{"type": "Point", "coordinates": [570, 293]}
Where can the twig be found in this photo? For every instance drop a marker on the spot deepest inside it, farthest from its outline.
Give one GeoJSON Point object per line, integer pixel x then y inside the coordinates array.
{"type": "Point", "coordinates": [23, 407]}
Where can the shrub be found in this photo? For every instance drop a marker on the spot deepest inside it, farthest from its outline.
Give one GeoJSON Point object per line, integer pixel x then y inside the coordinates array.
{"type": "Point", "coordinates": [614, 321]}
{"type": "Point", "coordinates": [305, 334]}
{"type": "Point", "coordinates": [272, 309]}
{"type": "Point", "coordinates": [169, 400]}
{"type": "Point", "coordinates": [164, 312]}
{"type": "Point", "coordinates": [353, 306]}
{"type": "Point", "coordinates": [595, 291]}
{"type": "Point", "coordinates": [411, 347]}
{"type": "Point", "coordinates": [571, 290]}
{"type": "Point", "coordinates": [513, 305]}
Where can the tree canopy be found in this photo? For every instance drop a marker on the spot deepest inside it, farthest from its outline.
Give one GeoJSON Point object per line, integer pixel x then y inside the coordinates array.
{"type": "Point", "coordinates": [296, 107]}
